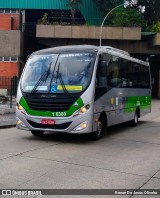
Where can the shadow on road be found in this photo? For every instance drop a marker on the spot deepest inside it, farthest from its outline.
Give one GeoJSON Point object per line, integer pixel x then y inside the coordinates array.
{"type": "Point", "coordinates": [82, 138]}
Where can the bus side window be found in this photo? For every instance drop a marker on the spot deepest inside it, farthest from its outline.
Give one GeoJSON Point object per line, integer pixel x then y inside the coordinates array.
{"type": "Point", "coordinates": [142, 76]}
{"type": "Point", "coordinates": [126, 73]}
{"type": "Point", "coordinates": [101, 78]}
{"type": "Point", "coordinates": [134, 75]}
{"type": "Point", "coordinates": [114, 77]}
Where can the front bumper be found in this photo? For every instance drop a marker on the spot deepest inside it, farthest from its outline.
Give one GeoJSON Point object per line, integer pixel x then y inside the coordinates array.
{"type": "Point", "coordinates": [62, 124]}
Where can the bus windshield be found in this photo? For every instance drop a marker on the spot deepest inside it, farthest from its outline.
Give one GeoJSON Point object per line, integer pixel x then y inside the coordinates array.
{"type": "Point", "coordinates": [58, 73]}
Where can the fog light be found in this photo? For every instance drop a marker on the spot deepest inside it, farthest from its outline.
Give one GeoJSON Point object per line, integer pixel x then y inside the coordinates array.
{"type": "Point", "coordinates": [82, 126]}
{"type": "Point", "coordinates": [19, 121]}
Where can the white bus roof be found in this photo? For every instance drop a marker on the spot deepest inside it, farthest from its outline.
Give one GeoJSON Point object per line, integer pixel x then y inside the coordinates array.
{"type": "Point", "coordinates": [89, 48]}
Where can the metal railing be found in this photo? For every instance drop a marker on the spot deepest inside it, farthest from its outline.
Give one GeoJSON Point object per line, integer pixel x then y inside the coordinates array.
{"type": "Point", "coordinates": [65, 21]}
{"type": "Point", "coordinates": [70, 21]}
{"type": "Point", "coordinates": [8, 89]}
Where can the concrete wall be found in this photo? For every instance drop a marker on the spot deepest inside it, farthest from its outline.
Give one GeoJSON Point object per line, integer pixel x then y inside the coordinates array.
{"type": "Point", "coordinates": [88, 32]}
{"type": "Point", "coordinates": [10, 42]}
{"type": "Point", "coordinates": [156, 40]}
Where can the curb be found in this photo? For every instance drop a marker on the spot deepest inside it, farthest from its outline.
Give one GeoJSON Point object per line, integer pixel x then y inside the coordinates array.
{"type": "Point", "coordinates": [8, 123]}
{"type": "Point", "coordinates": [7, 126]}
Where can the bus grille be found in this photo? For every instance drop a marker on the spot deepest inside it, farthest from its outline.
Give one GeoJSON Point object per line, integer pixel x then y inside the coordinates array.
{"type": "Point", "coordinates": [50, 104]}
{"type": "Point", "coordinates": [44, 126]}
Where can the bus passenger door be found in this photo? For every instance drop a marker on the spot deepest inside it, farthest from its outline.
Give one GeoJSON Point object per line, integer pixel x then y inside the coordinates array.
{"type": "Point", "coordinates": [101, 91]}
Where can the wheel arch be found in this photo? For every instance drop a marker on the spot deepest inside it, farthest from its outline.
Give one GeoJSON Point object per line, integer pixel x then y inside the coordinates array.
{"type": "Point", "coordinates": [138, 111]}
{"type": "Point", "coordinates": [103, 117]}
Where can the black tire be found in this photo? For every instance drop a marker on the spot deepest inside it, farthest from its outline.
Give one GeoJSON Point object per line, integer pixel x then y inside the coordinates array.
{"type": "Point", "coordinates": [101, 130]}
{"type": "Point", "coordinates": [134, 122]}
{"type": "Point", "coordinates": [37, 133]}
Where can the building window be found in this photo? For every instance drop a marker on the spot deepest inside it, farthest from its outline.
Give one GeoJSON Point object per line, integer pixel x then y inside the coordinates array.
{"type": "Point", "coordinates": [13, 11]}
{"type": "Point", "coordinates": [8, 59]}
{"type": "Point", "coordinates": [7, 11]}
{"type": "Point", "coordinates": [2, 11]}
{"type": "Point", "coordinates": [14, 59]}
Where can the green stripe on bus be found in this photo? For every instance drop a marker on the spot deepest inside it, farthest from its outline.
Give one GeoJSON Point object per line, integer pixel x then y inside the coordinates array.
{"type": "Point", "coordinates": [144, 102]}
{"type": "Point", "coordinates": [69, 112]}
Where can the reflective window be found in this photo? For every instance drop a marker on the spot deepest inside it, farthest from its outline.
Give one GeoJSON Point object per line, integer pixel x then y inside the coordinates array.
{"type": "Point", "coordinates": [118, 72]}
{"type": "Point", "coordinates": [58, 73]}
{"type": "Point", "coordinates": [134, 75]}
{"type": "Point", "coordinates": [114, 72]}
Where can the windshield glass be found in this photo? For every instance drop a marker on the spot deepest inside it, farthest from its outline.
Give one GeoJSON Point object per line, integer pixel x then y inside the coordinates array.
{"type": "Point", "coordinates": [57, 73]}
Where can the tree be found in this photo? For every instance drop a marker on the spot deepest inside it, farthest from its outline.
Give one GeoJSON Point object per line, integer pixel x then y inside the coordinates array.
{"type": "Point", "coordinates": [73, 5]}
{"type": "Point", "coordinates": [127, 17]}
{"type": "Point", "coordinates": [150, 20]}
{"type": "Point", "coordinates": [106, 5]}
{"type": "Point", "coordinates": [152, 14]}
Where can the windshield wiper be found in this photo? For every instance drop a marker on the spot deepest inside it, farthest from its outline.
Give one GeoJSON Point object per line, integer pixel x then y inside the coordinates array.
{"type": "Point", "coordinates": [59, 76]}
{"type": "Point", "coordinates": [43, 77]}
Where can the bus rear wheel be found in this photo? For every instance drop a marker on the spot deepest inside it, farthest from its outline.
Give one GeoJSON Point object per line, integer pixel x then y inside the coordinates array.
{"type": "Point", "coordinates": [37, 133]}
{"type": "Point", "coordinates": [134, 122]}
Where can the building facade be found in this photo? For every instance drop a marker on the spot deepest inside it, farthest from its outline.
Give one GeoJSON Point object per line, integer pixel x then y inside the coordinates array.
{"type": "Point", "coordinates": [28, 25]}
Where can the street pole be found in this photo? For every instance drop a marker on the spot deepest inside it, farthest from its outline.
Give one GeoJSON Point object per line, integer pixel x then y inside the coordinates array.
{"type": "Point", "coordinates": [101, 28]}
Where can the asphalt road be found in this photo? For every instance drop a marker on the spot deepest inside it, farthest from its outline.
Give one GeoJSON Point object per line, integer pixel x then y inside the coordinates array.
{"type": "Point", "coordinates": [126, 158]}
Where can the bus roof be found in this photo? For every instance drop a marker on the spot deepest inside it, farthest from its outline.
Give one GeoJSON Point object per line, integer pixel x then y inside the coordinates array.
{"type": "Point", "coordinates": [69, 48]}
{"type": "Point", "coordinates": [89, 48]}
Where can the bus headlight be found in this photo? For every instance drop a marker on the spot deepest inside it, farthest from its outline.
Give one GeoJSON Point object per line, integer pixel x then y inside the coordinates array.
{"type": "Point", "coordinates": [20, 108]}
{"type": "Point", "coordinates": [82, 126]}
{"type": "Point", "coordinates": [82, 110]}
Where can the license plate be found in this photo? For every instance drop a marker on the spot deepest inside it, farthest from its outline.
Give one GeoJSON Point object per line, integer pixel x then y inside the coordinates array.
{"type": "Point", "coordinates": [48, 122]}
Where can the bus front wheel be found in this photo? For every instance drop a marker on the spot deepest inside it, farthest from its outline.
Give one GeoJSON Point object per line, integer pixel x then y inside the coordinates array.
{"type": "Point", "coordinates": [101, 129]}
{"type": "Point", "coordinates": [37, 133]}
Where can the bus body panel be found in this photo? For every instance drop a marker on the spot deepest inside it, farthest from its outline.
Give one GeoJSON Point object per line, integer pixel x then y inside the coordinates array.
{"type": "Point", "coordinates": [120, 104]}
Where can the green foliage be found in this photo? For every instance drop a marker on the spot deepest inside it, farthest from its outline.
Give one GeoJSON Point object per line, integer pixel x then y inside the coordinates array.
{"type": "Point", "coordinates": [106, 5]}
{"type": "Point", "coordinates": [151, 15]}
{"type": "Point", "coordinates": [127, 17]}
{"type": "Point", "coordinates": [156, 27]}
{"type": "Point", "coordinates": [44, 19]}
{"type": "Point", "coordinates": [73, 4]}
